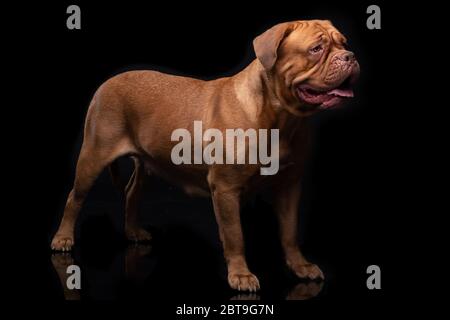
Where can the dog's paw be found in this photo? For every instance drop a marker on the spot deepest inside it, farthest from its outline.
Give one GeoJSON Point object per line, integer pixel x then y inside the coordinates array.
{"type": "Point", "coordinates": [307, 270]}
{"type": "Point", "coordinates": [138, 235]}
{"type": "Point", "coordinates": [62, 242]}
{"type": "Point", "coordinates": [243, 281]}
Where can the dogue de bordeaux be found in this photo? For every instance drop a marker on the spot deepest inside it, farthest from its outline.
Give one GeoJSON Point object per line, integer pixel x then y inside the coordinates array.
{"type": "Point", "coordinates": [301, 67]}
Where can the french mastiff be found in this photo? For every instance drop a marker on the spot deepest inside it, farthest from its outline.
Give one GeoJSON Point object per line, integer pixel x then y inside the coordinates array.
{"type": "Point", "coordinates": [302, 67]}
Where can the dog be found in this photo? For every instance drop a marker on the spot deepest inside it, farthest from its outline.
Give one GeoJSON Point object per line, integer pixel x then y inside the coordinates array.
{"type": "Point", "coordinates": [301, 68]}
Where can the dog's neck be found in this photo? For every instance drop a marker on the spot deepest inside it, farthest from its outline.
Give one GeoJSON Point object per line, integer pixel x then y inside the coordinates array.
{"type": "Point", "coordinates": [254, 89]}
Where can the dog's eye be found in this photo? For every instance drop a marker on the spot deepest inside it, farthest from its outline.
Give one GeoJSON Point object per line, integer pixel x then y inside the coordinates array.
{"type": "Point", "coordinates": [316, 49]}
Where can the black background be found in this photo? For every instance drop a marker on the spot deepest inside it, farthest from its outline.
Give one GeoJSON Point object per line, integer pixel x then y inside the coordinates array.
{"type": "Point", "coordinates": [349, 203]}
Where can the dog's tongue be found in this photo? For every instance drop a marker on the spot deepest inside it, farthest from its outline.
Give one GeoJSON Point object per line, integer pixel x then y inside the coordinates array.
{"type": "Point", "coordinates": [341, 92]}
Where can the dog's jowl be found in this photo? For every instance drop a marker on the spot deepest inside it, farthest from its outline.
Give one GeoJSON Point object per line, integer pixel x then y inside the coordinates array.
{"type": "Point", "coordinates": [301, 67]}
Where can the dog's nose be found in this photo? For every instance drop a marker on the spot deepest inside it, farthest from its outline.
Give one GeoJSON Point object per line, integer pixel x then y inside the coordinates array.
{"type": "Point", "coordinates": [347, 56]}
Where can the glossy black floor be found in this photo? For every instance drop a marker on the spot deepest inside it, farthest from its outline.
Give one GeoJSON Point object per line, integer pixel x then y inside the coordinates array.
{"type": "Point", "coordinates": [184, 260]}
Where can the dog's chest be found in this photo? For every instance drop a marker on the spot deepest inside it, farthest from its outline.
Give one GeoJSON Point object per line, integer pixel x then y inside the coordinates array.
{"type": "Point", "coordinates": [285, 152]}
{"type": "Point", "coordinates": [290, 167]}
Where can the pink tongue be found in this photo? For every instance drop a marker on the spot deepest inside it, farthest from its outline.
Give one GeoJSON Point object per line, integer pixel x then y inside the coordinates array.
{"type": "Point", "coordinates": [341, 92]}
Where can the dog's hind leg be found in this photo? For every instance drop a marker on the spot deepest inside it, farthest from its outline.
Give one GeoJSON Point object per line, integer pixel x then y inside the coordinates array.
{"type": "Point", "coordinates": [104, 141]}
{"type": "Point", "coordinates": [91, 162]}
{"type": "Point", "coordinates": [133, 189]}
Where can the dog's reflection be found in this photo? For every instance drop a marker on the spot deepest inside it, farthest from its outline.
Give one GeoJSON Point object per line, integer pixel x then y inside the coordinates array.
{"type": "Point", "coordinates": [301, 291]}
{"type": "Point", "coordinates": [134, 255]}
{"type": "Point", "coordinates": [305, 290]}
{"type": "Point", "coordinates": [135, 264]}
{"type": "Point", "coordinates": [246, 296]}
{"type": "Point", "coordinates": [130, 264]}
{"type": "Point", "coordinates": [61, 261]}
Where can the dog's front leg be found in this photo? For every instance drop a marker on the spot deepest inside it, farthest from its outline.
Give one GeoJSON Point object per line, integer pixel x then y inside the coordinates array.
{"type": "Point", "coordinates": [286, 207]}
{"type": "Point", "coordinates": [227, 211]}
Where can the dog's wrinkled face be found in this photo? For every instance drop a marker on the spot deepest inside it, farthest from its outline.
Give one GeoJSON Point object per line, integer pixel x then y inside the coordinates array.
{"type": "Point", "coordinates": [311, 67]}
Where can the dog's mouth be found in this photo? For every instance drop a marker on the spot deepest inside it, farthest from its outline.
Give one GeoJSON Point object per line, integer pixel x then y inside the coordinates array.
{"type": "Point", "coordinates": [325, 99]}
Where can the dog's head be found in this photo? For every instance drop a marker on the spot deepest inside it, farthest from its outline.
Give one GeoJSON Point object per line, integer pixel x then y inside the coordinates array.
{"type": "Point", "coordinates": [308, 63]}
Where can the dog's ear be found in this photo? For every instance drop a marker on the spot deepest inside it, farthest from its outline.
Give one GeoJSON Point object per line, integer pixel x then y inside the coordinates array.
{"type": "Point", "coordinates": [266, 44]}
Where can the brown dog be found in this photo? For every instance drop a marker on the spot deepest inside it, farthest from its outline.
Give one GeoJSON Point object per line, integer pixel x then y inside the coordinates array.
{"type": "Point", "coordinates": [301, 67]}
